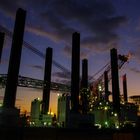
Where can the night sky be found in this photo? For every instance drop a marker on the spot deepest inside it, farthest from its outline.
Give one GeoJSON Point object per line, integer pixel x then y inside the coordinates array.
{"type": "Point", "coordinates": [102, 24]}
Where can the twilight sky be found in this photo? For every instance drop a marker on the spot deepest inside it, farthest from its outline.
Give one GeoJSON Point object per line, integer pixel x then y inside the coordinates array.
{"type": "Point", "coordinates": [103, 24]}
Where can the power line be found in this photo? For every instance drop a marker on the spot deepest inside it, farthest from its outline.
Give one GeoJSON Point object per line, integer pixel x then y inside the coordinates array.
{"type": "Point", "coordinates": [36, 51]}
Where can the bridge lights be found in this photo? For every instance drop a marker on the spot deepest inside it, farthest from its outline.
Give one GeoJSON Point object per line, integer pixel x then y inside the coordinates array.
{"type": "Point", "coordinates": [115, 114]}
{"type": "Point", "coordinates": [99, 87]}
{"type": "Point", "coordinates": [105, 108]}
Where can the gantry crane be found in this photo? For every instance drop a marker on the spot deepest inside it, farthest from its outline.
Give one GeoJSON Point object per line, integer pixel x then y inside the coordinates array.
{"type": "Point", "coordinates": [34, 50]}
{"type": "Point", "coordinates": [97, 85]}
{"type": "Point", "coordinates": [93, 84]}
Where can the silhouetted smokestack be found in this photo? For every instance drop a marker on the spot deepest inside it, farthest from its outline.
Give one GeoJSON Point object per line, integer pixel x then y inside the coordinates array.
{"type": "Point", "coordinates": [75, 72]}
{"type": "Point", "coordinates": [125, 88]}
{"type": "Point", "coordinates": [47, 81]}
{"type": "Point", "coordinates": [84, 81]}
{"type": "Point", "coordinates": [84, 86]}
{"type": "Point", "coordinates": [115, 80]}
{"type": "Point", "coordinates": [106, 85]}
{"type": "Point", "coordinates": [14, 63]}
{"type": "Point", "coordinates": [1, 43]}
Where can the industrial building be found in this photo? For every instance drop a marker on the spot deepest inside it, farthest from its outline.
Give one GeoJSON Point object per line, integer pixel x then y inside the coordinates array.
{"type": "Point", "coordinates": [135, 100]}
{"type": "Point", "coordinates": [37, 119]}
{"type": "Point", "coordinates": [86, 105]}
{"type": "Point", "coordinates": [63, 109]}
{"type": "Point", "coordinates": [9, 114]}
{"type": "Point", "coordinates": [35, 112]}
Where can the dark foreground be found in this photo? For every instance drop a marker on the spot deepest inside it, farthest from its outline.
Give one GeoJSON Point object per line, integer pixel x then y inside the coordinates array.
{"type": "Point", "coordinates": [67, 134]}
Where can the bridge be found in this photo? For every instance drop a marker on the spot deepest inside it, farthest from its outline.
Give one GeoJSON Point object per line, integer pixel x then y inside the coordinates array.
{"type": "Point", "coordinates": [35, 83]}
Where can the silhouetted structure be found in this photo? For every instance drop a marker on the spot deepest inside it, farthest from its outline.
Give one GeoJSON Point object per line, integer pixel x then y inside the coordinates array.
{"type": "Point", "coordinates": [106, 85]}
{"type": "Point", "coordinates": [15, 56]}
{"type": "Point", "coordinates": [1, 43]}
{"type": "Point", "coordinates": [75, 72]}
{"type": "Point", "coordinates": [35, 111]}
{"type": "Point", "coordinates": [47, 81]}
{"type": "Point", "coordinates": [125, 88]}
{"type": "Point", "coordinates": [84, 86]}
{"type": "Point", "coordinates": [115, 80]}
{"type": "Point", "coordinates": [63, 109]}
{"type": "Point", "coordinates": [84, 81]}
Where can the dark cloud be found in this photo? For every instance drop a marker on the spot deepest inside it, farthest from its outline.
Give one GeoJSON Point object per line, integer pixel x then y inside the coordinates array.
{"type": "Point", "coordinates": [10, 7]}
{"type": "Point", "coordinates": [36, 67]}
{"type": "Point", "coordinates": [4, 61]}
{"type": "Point", "coordinates": [62, 81]}
{"type": "Point", "coordinates": [95, 16]}
{"type": "Point", "coordinates": [138, 27]}
{"type": "Point", "coordinates": [58, 19]}
{"type": "Point", "coordinates": [61, 75]}
{"type": "Point", "coordinates": [68, 50]}
{"type": "Point", "coordinates": [108, 24]}
{"type": "Point", "coordinates": [135, 70]}
{"type": "Point", "coordinates": [135, 50]}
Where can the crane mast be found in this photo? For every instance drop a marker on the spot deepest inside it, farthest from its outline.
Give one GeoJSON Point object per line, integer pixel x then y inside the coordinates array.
{"type": "Point", "coordinates": [97, 87]}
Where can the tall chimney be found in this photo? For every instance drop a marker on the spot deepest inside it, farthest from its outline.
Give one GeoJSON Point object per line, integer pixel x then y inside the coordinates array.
{"type": "Point", "coordinates": [47, 81]}
{"type": "Point", "coordinates": [115, 81]}
{"type": "Point", "coordinates": [125, 88]}
{"type": "Point", "coordinates": [106, 85]}
{"type": "Point", "coordinates": [14, 63]}
{"type": "Point", "coordinates": [1, 43]}
{"type": "Point", "coordinates": [84, 81]}
{"type": "Point", "coordinates": [75, 72]}
{"type": "Point", "coordinates": [84, 86]}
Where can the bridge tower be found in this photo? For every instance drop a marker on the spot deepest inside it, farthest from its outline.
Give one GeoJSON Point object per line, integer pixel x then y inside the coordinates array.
{"type": "Point", "coordinates": [75, 72]}
{"type": "Point", "coordinates": [115, 80]}
{"type": "Point", "coordinates": [9, 114]}
{"type": "Point", "coordinates": [125, 88]}
{"type": "Point", "coordinates": [47, 81]}
{"type": "Point", "coordinates": [84, 86]}
{"type": "Point", "coordinates": [106, 85]}
{"type": "Point", "coordinates": [1, 43]}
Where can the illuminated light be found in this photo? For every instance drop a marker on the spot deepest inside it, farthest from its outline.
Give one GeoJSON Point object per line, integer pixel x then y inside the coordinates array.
{"type": "Point", "coordinates": [49, 123]}
{"type": "Point", "coordinates": [106, 108]}
{"type": "Point", "coordinates": [117, 127]}
{"type": "Point", "coordinates": [38, 98]}
{"type": "Point", "coordinates": [79, 96]}
{"type": "Point", "coordinates": [99, 125]}
{"type": "Point", "coordinates": [99, 88]}
{"type": "Point", "coordinates": [115, 114]}
{"type": "Point", "coordinates": [100, 103]}
{"type": "Point", "coordinates": [106, 123]}
{"type": "Point", "coordinates": [58, 94]}
{"type": "Point", "coordinates": [45, 123]}
{"type": "Point", "coordinates": [48, 112]}
{"type": "Point", "coordinates": [112, 113]}
{"type": "Point", "coordinates": [52, 113]}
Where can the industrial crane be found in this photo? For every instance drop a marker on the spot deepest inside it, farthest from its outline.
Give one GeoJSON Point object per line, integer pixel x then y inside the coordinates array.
{"type": "Point", "coordinates": [36, 51]}
{"type": "Point", "coordinates": [98, 84]}
{"type": "Point", "coordinates": [34, 83]}
{"type": "Point", "coordinates": [93, 84]}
